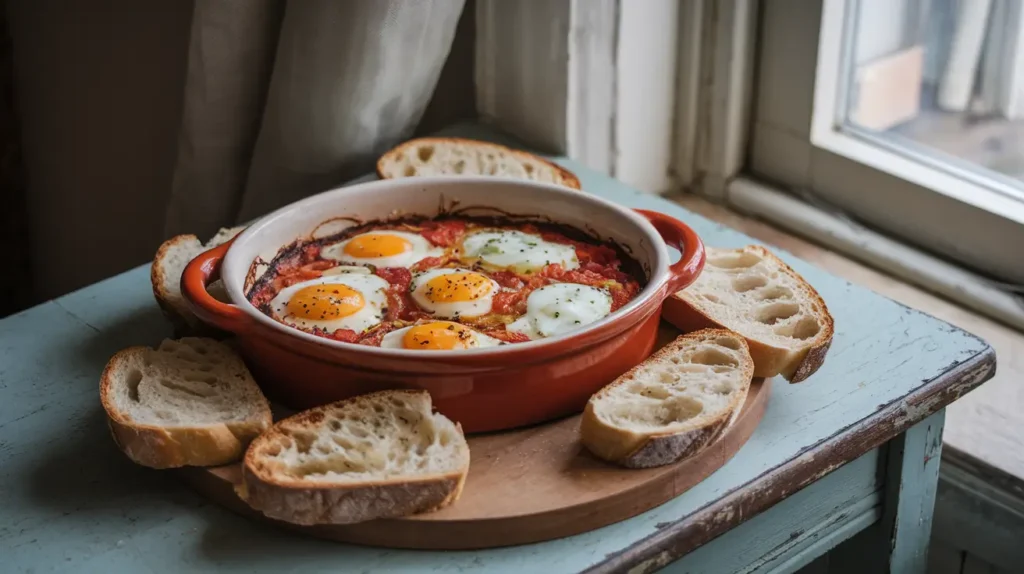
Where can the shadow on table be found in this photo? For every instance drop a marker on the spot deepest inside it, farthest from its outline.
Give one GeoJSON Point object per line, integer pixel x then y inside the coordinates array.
{"type": "Point", "coordinates": [80, 463]}
{"type": "Point", "coordinates": [81, 470]}
{"type": "Point", "coordinates": [141, 326]}
{"type": "Point", "coordinates": [241, 541]}
{"type": "Point", "coordinates": [76, 467]}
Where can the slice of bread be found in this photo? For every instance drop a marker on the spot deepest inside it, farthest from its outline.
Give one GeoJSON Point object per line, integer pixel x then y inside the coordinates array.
{"type": "Point", "coordinates": [165, 275]}
{"type": "Point", "coordinates": [379, 455]}
{"type": "Point", "coordinates": [190, 402]}
{"type": "Point", "coordinates": [457, 156]}
{"type": "Point", "coordinates": [673, 404]}
{"type": "Point", "coordinates": [752, 292]}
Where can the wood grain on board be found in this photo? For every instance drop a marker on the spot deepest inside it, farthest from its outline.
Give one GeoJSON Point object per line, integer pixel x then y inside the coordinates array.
{"type": "Point", "coordinates": [527, 485]}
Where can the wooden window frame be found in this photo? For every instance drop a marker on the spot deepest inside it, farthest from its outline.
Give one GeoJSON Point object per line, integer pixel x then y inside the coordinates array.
{"type": "Point", "coordinates": [591, 79]}
{"type": "Point", "coordinates": [563, 75]}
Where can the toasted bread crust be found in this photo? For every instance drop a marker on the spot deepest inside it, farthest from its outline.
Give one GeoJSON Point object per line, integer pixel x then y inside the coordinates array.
{"type": "Point", "coordinates": [666, 449]}
{"type": "Point", "coordinates": [183, 321]}
{"type": "Point", "coordinates": [646, 450]}
{"type": "Point", "coordinates": [567, 178]}
{"type": "Point", "coordinates": [160, 448]}
{"type": "Point", "coordinates": [633, 450]}
{"type": "Point", "coordinates": [308, 502]}
{"type": "Point", "coordinates": [349, 504]}
{"type": "Point", "coordinates": [172, 447]}
{"type": "Point", "coordinates": [769, 360]}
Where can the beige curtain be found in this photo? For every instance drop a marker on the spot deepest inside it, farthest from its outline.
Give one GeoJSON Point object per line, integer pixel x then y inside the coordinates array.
{"type": "Point", "coordinates": [283, 100]}
{"type": "Point", "coordinates": [140, 120]}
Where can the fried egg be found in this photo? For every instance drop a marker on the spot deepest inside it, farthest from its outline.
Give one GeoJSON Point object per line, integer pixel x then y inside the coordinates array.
{"type": "Point", "coordinates": [384, 248]}
{"type": "Point", "coordinates": [438, 336]}
{"type": "Point", "coordinates": [561, 307]}
{"type": "Point", "coordinates": [345, 300]}
{"type": "Point", "coordinates": [516, 251]}
{"type": "Point", "coordinates": [454, 292]}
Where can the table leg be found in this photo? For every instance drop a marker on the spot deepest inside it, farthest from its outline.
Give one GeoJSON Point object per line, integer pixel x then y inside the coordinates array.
{"type": "Point", "coordinates": [898, 542]}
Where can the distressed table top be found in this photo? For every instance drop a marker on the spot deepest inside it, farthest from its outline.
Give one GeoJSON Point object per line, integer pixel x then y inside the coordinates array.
{"type": "Point", "coordinates": [71, 501]}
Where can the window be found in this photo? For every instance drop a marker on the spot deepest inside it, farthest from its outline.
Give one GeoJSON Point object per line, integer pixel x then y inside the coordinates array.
{"type": "Point", "coordinates": [903, 114]}
{"type": "Point", "coordinates": [940, 83]}
{"type": "Point", "coordinates": [882, 109]}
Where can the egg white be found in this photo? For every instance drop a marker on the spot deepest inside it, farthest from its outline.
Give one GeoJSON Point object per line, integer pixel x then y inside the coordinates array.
{"type": "Point", "coordinates": [393, 340]}
{"type": "Point", "coordinates": [343, 269]}
{"type": "Point", "coordinates": [371, 287]}
{"type": "Point", "coordinates": [451, 309]}
{"type": "Point", "coordinates": [420, 249]}
{"type": "Point", "coordinates": [560, 308]}
{"type": "Point", "coordinates": [517, 251]}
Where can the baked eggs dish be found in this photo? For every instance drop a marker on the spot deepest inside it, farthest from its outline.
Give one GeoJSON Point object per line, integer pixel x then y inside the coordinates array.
{"type": "Point", "coordinates": [446, 283]}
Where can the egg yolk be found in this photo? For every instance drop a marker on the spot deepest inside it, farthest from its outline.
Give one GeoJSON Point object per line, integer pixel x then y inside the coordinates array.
{"type": "Point", "coordinates": [325, 302]}
{"type": "Point", "coordinates": [376, 245]}
{"type": "Point", "coordinates": [467, 286]}
{"type": "Point", "coordinates": [439, 336]}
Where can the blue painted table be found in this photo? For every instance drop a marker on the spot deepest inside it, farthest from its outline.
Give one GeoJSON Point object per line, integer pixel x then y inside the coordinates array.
{"type": "Point", "coordinates": [850, 455]}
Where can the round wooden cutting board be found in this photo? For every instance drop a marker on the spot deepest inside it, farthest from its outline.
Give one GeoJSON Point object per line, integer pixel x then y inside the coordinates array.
{"type": "Point", "coordinates": [527, 485]}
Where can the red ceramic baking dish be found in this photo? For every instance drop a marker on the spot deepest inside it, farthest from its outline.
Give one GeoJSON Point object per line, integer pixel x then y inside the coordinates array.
{"type": "Point", "coordinates": [483, 389]}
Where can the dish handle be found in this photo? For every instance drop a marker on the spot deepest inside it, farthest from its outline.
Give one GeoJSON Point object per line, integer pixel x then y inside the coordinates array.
{"type": "Point", "coordinates": [679, 235]}
{"type": "Point", "coordinates": [197, 275]}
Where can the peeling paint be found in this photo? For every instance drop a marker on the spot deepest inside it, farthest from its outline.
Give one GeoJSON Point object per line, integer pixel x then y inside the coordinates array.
{"type": "Point", "coordinates": [659, 561]}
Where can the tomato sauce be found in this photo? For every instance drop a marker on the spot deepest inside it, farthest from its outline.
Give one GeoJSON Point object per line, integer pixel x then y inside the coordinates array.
{"type": "Point", "coordinates": [600, 265]}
